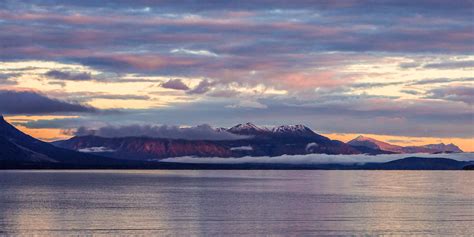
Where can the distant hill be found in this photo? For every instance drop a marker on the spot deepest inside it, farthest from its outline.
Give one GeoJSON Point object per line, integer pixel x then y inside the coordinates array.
{"type": "Point", "coordinates": [375, 144]}
{"type": "Point", "coordinates": [384, 146]}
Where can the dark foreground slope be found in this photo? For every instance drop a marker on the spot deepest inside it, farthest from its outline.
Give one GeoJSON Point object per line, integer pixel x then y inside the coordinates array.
{"type": "Point", "coordinates": [19, 150]}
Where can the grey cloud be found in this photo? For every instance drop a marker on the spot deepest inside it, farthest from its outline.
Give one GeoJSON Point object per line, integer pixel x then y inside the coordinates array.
{"type": "Point", "coordinates": [27, 102]}
{"type": "Point", "coordinates": [59, 83]}
{"type": "Point", "coordinates": [6, 78]}
{"type": "Point", "coordinates": [119, 97]}
{"type": "Point", "coordinates": [441, 80]}
{"type": "Point", "coordinates": [224, 93]}
{"type": "Point", "coordinates": [203, 87]}
{"type": "Point", "coordinates": [369, 85]}
{"type": "Point", "coordinates": [175, 84]}
{"type": "Point", "coordinates": [200, 132]}
{"type": "Point", "coordinates": [72, 76]}
{"type": "Point", "coordinates": [403, 141]}
{"type": "Point", "coordinates": [409, 65]}
{"type": "Point", "coordinates": [411, 92]}
{"type": "Point", "coordinates": [453, 93]}
{"type": "Point", "coordinates": [451, 65]}
{"type": "Point", "coordinates": [90, 96]}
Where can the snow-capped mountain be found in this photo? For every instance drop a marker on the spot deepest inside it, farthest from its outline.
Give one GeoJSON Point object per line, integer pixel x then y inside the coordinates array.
{"type": "Point", "coordinates": [283, 130]}
{"type": "Point", "coordinates": [293, 129]}
{"type": "Point", "coordinates": [248, 129]}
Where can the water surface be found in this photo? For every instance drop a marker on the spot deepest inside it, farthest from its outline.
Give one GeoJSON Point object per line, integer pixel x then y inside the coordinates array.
{"type": "Point", "coordinates": [236, 202]}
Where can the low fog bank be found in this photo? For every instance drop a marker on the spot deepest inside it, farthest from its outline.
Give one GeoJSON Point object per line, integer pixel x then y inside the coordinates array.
{"type": "Point", "coordinates": [317, 159]}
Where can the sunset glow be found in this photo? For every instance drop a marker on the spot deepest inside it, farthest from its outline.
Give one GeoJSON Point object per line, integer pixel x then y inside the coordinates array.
{"type": "Point", "coordinates": [401, 73]}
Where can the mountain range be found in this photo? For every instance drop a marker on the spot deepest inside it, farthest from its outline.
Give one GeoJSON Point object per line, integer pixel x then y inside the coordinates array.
{"type": "Point", "coordinates": [256, 141]}
{"type": "Point", "coordinates": [20, 151]}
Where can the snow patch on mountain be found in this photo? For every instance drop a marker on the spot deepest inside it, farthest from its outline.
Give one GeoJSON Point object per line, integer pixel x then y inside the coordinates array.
{"type": "Point", "coordinates": [290, 128]}
{"type": "Point", "coordinates": [247, 127]}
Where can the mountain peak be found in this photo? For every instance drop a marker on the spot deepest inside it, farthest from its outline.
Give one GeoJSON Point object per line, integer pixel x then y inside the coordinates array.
{"type": "Point", "coordinates": [299, 128]}
{"type": "Point", "coordinates": [245, 126]}
{"type": "Point", "coordinates": [247, 129]}
{"type": "Point", "coordinates": [363, 138]}
{"type": "Point", "coordinates": [374, 144]}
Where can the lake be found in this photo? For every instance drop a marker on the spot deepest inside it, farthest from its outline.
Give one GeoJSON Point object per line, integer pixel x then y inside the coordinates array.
{"type": "Point", "coordinates": [208, 203]}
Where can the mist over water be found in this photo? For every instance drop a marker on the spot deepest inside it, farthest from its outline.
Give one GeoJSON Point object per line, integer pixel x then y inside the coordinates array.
{"type": "Point", "coordinates": [318, 158]}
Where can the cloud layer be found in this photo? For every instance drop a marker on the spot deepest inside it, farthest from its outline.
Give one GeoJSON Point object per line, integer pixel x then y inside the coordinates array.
{"type": "Point", "coordinates": [316, 159]}
{"type": "Point", "coordinates": [28, 102]}
{"type": "Point", "coordinates": [201, 132]}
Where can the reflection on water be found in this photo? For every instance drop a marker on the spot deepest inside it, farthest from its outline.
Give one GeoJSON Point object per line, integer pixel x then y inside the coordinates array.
{"type": "Point", "coordinates": [236, 202]}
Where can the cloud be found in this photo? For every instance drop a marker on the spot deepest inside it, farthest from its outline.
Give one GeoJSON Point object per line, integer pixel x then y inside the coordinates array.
{"type": "Point", "coordinates": [242, 148]}
{"type": "Point", "coordinates": [441, 80]}
{"type": "Point", "coordinates": [28, 102]}
{"type": "Point", "coordinates": [248, 104]}
{"type": "Point", "coordinates": [404, 141]}
{"type": "Point", "coordinates": [451, 65]}
{"type": "Point", "coordinates": [224, 93]}
{"type": "Point", "coordinates": [370, 85]}
{"type": "Point", "coordinates": [278, 6]}
{"type": "Point", "coordinates": [72, 76]}
{"type": "Point", "coordinates": [200, 132]}
{"type": "Point", "coordinates": [316, 159]}
{"type": "Point", "coordinates": [453, 93]}
{"type": "Point", "coordinates": [411, 92]}
{"type": "Point", "coordinates": [87, 96]}
{"type": "Point", "coordinates": [409, 65]}
{"type": "Point", "coordinates": [203, 87]}
{"type": "Point", "coordinates": [96, 149]}
{"type": "Point", "coordinates": [175, 84]}
{"type": "Point", "coordinates": [6, 78]}
{"type": "Point", "coordinates": [194, 52]}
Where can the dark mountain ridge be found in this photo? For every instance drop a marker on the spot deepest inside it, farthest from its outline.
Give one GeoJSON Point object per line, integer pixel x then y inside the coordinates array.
{"type": "Point", "coordinates": [18, 149]}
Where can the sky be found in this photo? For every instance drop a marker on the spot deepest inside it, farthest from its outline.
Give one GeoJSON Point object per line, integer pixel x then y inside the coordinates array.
{"type": "Point", "coordinates": [400, 71]}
